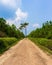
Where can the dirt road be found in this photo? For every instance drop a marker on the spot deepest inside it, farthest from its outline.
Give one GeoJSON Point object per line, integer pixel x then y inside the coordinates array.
{"type": "Point", "coordinates": [25, 53]}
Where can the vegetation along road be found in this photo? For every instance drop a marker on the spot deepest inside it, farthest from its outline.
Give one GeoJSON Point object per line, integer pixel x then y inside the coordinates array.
{"type": "Point", "coordinates": [25, 53]}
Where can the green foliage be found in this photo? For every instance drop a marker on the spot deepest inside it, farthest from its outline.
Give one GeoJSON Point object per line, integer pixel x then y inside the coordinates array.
{"type": "Point", "coordinates": [45, 44]}
{"type": "Point", "coordinates": [6, 43]}
{"type": "Point", "coordinates": [44, 32]}
{"type": "Point", "coordinates": [9, 31]}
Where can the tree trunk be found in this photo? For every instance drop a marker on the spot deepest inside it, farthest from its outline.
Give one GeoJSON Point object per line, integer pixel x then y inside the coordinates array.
{"type": "Point", "coordinates": [25, 31]}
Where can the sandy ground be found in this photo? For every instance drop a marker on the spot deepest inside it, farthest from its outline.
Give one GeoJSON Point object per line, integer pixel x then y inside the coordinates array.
{"type": "Point", "coordinates": [25, 53]}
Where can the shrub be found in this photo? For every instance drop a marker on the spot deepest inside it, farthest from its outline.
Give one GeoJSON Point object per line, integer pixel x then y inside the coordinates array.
{"type": "Point", "coordinates": [43, 43]}
{"type": "Point", "coordinates": [6, 43]}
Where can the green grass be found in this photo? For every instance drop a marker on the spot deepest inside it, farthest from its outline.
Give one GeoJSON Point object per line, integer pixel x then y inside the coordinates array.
{"type": "Point", "coordinates": [6, 43]}
{"type": "Point", "coordinates": [45, 44]}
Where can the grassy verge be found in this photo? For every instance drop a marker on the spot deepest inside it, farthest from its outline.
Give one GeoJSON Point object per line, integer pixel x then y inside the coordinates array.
{"type": "Point", "coordinates": [43, 43]}
{"type": "Point", "coordinates": [6, 43]}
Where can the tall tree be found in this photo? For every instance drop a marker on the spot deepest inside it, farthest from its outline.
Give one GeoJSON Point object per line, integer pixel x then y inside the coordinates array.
{"type": "Point", "coordinates": [24, 26]}
{"type": "Point", "coordinates": [44, 32]}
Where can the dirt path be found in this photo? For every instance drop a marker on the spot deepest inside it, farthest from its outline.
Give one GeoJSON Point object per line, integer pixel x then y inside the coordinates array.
{"type": "Point", "coordinates": [25, 53]}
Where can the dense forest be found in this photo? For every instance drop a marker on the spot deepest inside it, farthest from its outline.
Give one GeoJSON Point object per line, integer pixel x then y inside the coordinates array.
{"type": "Point", "coordinates": [9, 35]}
{"type": "Point", "coordinates": [44, 32]}
{"type": "Point", "coordinates": [9, 31]}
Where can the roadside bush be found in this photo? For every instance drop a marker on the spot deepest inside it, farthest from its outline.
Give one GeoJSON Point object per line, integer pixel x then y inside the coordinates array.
{"type": "Point", "coordinates": [6, 43]}
{"type": "Point", "coordinates": [46, 43]}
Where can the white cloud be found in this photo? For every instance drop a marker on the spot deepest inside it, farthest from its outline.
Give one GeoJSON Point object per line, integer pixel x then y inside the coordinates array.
{"type": "Point", "coordinates": [36, 25]}
{"type": "Point", "coordinates": [10, 22]}
{"type": "Point", "coordinates": [20, 15]}
{"type": "Point", "coordinates": [11, 3]}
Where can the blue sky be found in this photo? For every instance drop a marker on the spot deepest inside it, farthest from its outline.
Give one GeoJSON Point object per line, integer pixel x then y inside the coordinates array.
{"type": "Point", "coordinates": [35, 12]}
